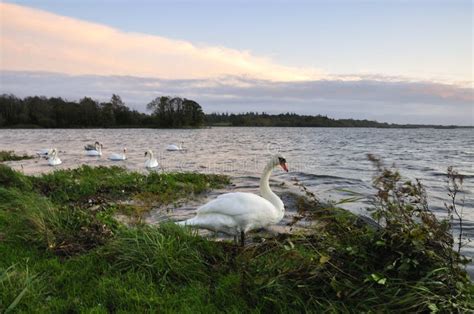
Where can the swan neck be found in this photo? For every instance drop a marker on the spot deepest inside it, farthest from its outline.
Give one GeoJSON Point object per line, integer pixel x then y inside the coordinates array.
{"type": "Point", "coordinates": [265, 180]}
{"type": "Point", "coordinates": [266, 191]}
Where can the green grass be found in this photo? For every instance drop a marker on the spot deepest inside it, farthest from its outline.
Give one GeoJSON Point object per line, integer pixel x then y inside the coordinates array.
{"type": "Point", "coordinates": [63, 251]}
{"type": "Point", "coordinates": [10, 155]}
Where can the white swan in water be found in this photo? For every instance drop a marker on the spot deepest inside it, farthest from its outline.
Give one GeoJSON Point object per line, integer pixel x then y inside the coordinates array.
{"type": "Point", "coordinates": [239, 212]}
{"type": "Point", "coordinates": [174, 147]}
{"type": "Point", "coordinates": [117, 157]}
{"type": "Point", "coordinates": [53, 159]}
{"type": "Point", "coordinates": [95, 152]}
{"type": "Point", "coordinates": [151, 162]}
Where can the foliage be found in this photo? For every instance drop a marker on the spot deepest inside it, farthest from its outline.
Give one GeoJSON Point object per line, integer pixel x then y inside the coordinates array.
{"type": "Point", "coordinates": [291, 120]}
{"type": "Point", "coordinates": [176, 112]}
{"type": "Point", "coordinates": [167, 112]}
{"type": "Point", "coordinates": [10, 155]}
{"type": "Point", "coordinates": [59, 113]}
{"type": "Point", "coordinates": [166, 254]}
{"type": "Point", "coordinates": [416, 240]}
{"type": "Point", "coordinates": [455, 214]}
{"type": "Point", "coordinates": [12, 178]}
{"type": "Point", "coordinates": [86, 186]}
{"type": "Point", "coordinates": [340, 265]}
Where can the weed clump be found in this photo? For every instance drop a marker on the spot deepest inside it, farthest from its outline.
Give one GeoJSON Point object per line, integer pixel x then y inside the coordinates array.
{"type": "Point", "coordinates": [10, 178]}
{"type": "Point", "coordinates": [11, 156]}
{"type": "Point", "coordinates": [166, 254]}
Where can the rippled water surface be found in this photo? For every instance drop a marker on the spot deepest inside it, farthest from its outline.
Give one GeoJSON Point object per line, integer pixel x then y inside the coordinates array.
{"type": "Point", "coordinates": [325, 159]}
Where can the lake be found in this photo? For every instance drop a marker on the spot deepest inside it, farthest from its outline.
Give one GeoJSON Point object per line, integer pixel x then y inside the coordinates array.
{"type": "Point", "coordinates": [326, 160]}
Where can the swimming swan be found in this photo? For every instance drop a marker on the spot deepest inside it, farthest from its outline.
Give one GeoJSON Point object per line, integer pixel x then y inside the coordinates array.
{"type": "Point", "coordinates": [90, 146]}
{"type": "Point", "coordinates": [240, 212]}
{"type": "Point", "coordinates": [174, 147]}
{"type": "Point", "coordinates": [151, 162]}
{"type": "Point", "coordinates": [95, 152]}
{"type": "Point", "coordinates": [117, 157]}
{"type": "Point", "coordinates": [53, 159]}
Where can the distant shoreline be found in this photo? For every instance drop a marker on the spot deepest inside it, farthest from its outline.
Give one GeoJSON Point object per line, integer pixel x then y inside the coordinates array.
{"type": "Point", "coordinates": [32, 127]}
{"type": "Point", "coordinates": [167, 113]}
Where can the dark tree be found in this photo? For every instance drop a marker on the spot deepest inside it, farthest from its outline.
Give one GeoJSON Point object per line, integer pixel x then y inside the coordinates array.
{"type": "Point", "coordinates": [176, 112]}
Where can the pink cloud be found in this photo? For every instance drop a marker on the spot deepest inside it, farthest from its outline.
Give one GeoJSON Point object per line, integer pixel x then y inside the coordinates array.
{"type": "Point", "coordinates": [35, 40]}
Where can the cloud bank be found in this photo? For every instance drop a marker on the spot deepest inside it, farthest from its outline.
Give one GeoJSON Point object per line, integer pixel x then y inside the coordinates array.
{"type": "Point", "coordinates": [382, 100]}
{"type": "Point", "coordinates": [36, 40]}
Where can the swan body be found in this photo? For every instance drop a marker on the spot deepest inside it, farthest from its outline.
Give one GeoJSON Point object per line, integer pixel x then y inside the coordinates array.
{"type": "Point", "coordinates": [151, 162]}
{"type": "Point", "coordinates": [91, 147]}
{"type": "Point", "coordinates": [174, 147]}
{"type": "Point", "coordinates": [95, 152]}
{"type": "Point", "coordinates": [232, 213]}
{"type": "Point", "coordinates": [240, 212]}
{"type": "Point", "coordinates": [53, 159]}
{"type": "Point", "coordinates": [118, 157]}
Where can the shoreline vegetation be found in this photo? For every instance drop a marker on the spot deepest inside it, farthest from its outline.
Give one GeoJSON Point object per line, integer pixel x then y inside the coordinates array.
{"type": "Point", "coordinates": [166, 112]}
{"type": "Point", "coordinates": [64, 250]}
{"type": "Point", "coordinates": [11, 156]}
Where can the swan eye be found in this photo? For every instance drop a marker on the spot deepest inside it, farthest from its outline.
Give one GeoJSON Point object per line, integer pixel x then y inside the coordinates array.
{"type": "Point", "coordinates": [281, 160]}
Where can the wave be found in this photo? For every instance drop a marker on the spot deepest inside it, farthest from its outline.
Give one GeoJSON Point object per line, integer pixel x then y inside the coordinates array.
{"type": "Point", "coordinates": [311, 176]}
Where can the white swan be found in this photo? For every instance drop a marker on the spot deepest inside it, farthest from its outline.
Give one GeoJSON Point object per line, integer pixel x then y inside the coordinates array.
{"type": "Point", "coordinates": [95, 152]}
{"type": "Point", "coordinates": [53, 159]}
{"type": "Point", "coordinates": [151, 162]}
{"type": "Point", "coordinates": [174, 147]}
{"type": "Point", "coordinates": [239, 212]}
{"type": "Point", "coordinates": [117, 157]}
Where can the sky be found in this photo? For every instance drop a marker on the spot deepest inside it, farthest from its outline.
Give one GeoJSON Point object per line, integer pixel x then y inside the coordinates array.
{"type": "Point", "coordinates": [394, 61]}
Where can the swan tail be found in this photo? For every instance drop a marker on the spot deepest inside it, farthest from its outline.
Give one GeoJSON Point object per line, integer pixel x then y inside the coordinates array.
{"type": "Point", "coordinates": [188, 222]}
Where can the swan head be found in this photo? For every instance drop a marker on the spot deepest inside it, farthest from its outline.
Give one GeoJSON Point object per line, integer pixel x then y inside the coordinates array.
{"type": "Point", "coordinates": [279, 160]}
{"type": "Point", "coordinates": [124, 150]}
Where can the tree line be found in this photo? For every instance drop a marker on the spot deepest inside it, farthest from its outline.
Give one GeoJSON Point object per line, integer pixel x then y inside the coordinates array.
{"type": "Point", "coordinates": [286, 120]}
{"type": "Point", "coordinates": [56, 112]}
{"type": "Point", "coordinates": [165, 112]}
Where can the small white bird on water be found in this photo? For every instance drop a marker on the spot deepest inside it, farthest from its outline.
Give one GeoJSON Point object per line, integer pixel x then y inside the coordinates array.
{"type": "Point", "coordinates": [53, 159]}
{"type": "Point", "coordinates": [239, 212]}
{"type": "Point", "coordinates": [118, 157]}
{"type": "Point", "coordinates": [151, 162]}
{"type": "Point", "coordinates": [95, 152]}
{"type": "Point", "coordinates": [174, 147]}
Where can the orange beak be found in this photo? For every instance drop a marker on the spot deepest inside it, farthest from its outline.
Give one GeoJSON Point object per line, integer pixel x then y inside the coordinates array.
{"type": "Point", "coordinates": [284, 166]}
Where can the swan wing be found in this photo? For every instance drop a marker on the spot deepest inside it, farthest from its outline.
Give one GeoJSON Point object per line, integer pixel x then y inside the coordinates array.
{"type": "Point", "coordinates": [117, 157]}
{"type": "Point", "coordinates": [152, 163]}
{"type": "Point", "coordinates": [237, 204]}
{"type": "Point", "coordinates": [173, 147]}
{"type": "Point", "coordinates": [93, 153]}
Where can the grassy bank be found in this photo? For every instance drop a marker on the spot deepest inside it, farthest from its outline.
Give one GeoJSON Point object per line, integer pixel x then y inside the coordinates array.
{"type": "Point", "coordinates": [11, 156]}
{"type": "Point", "coordinates": [63, 251]}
